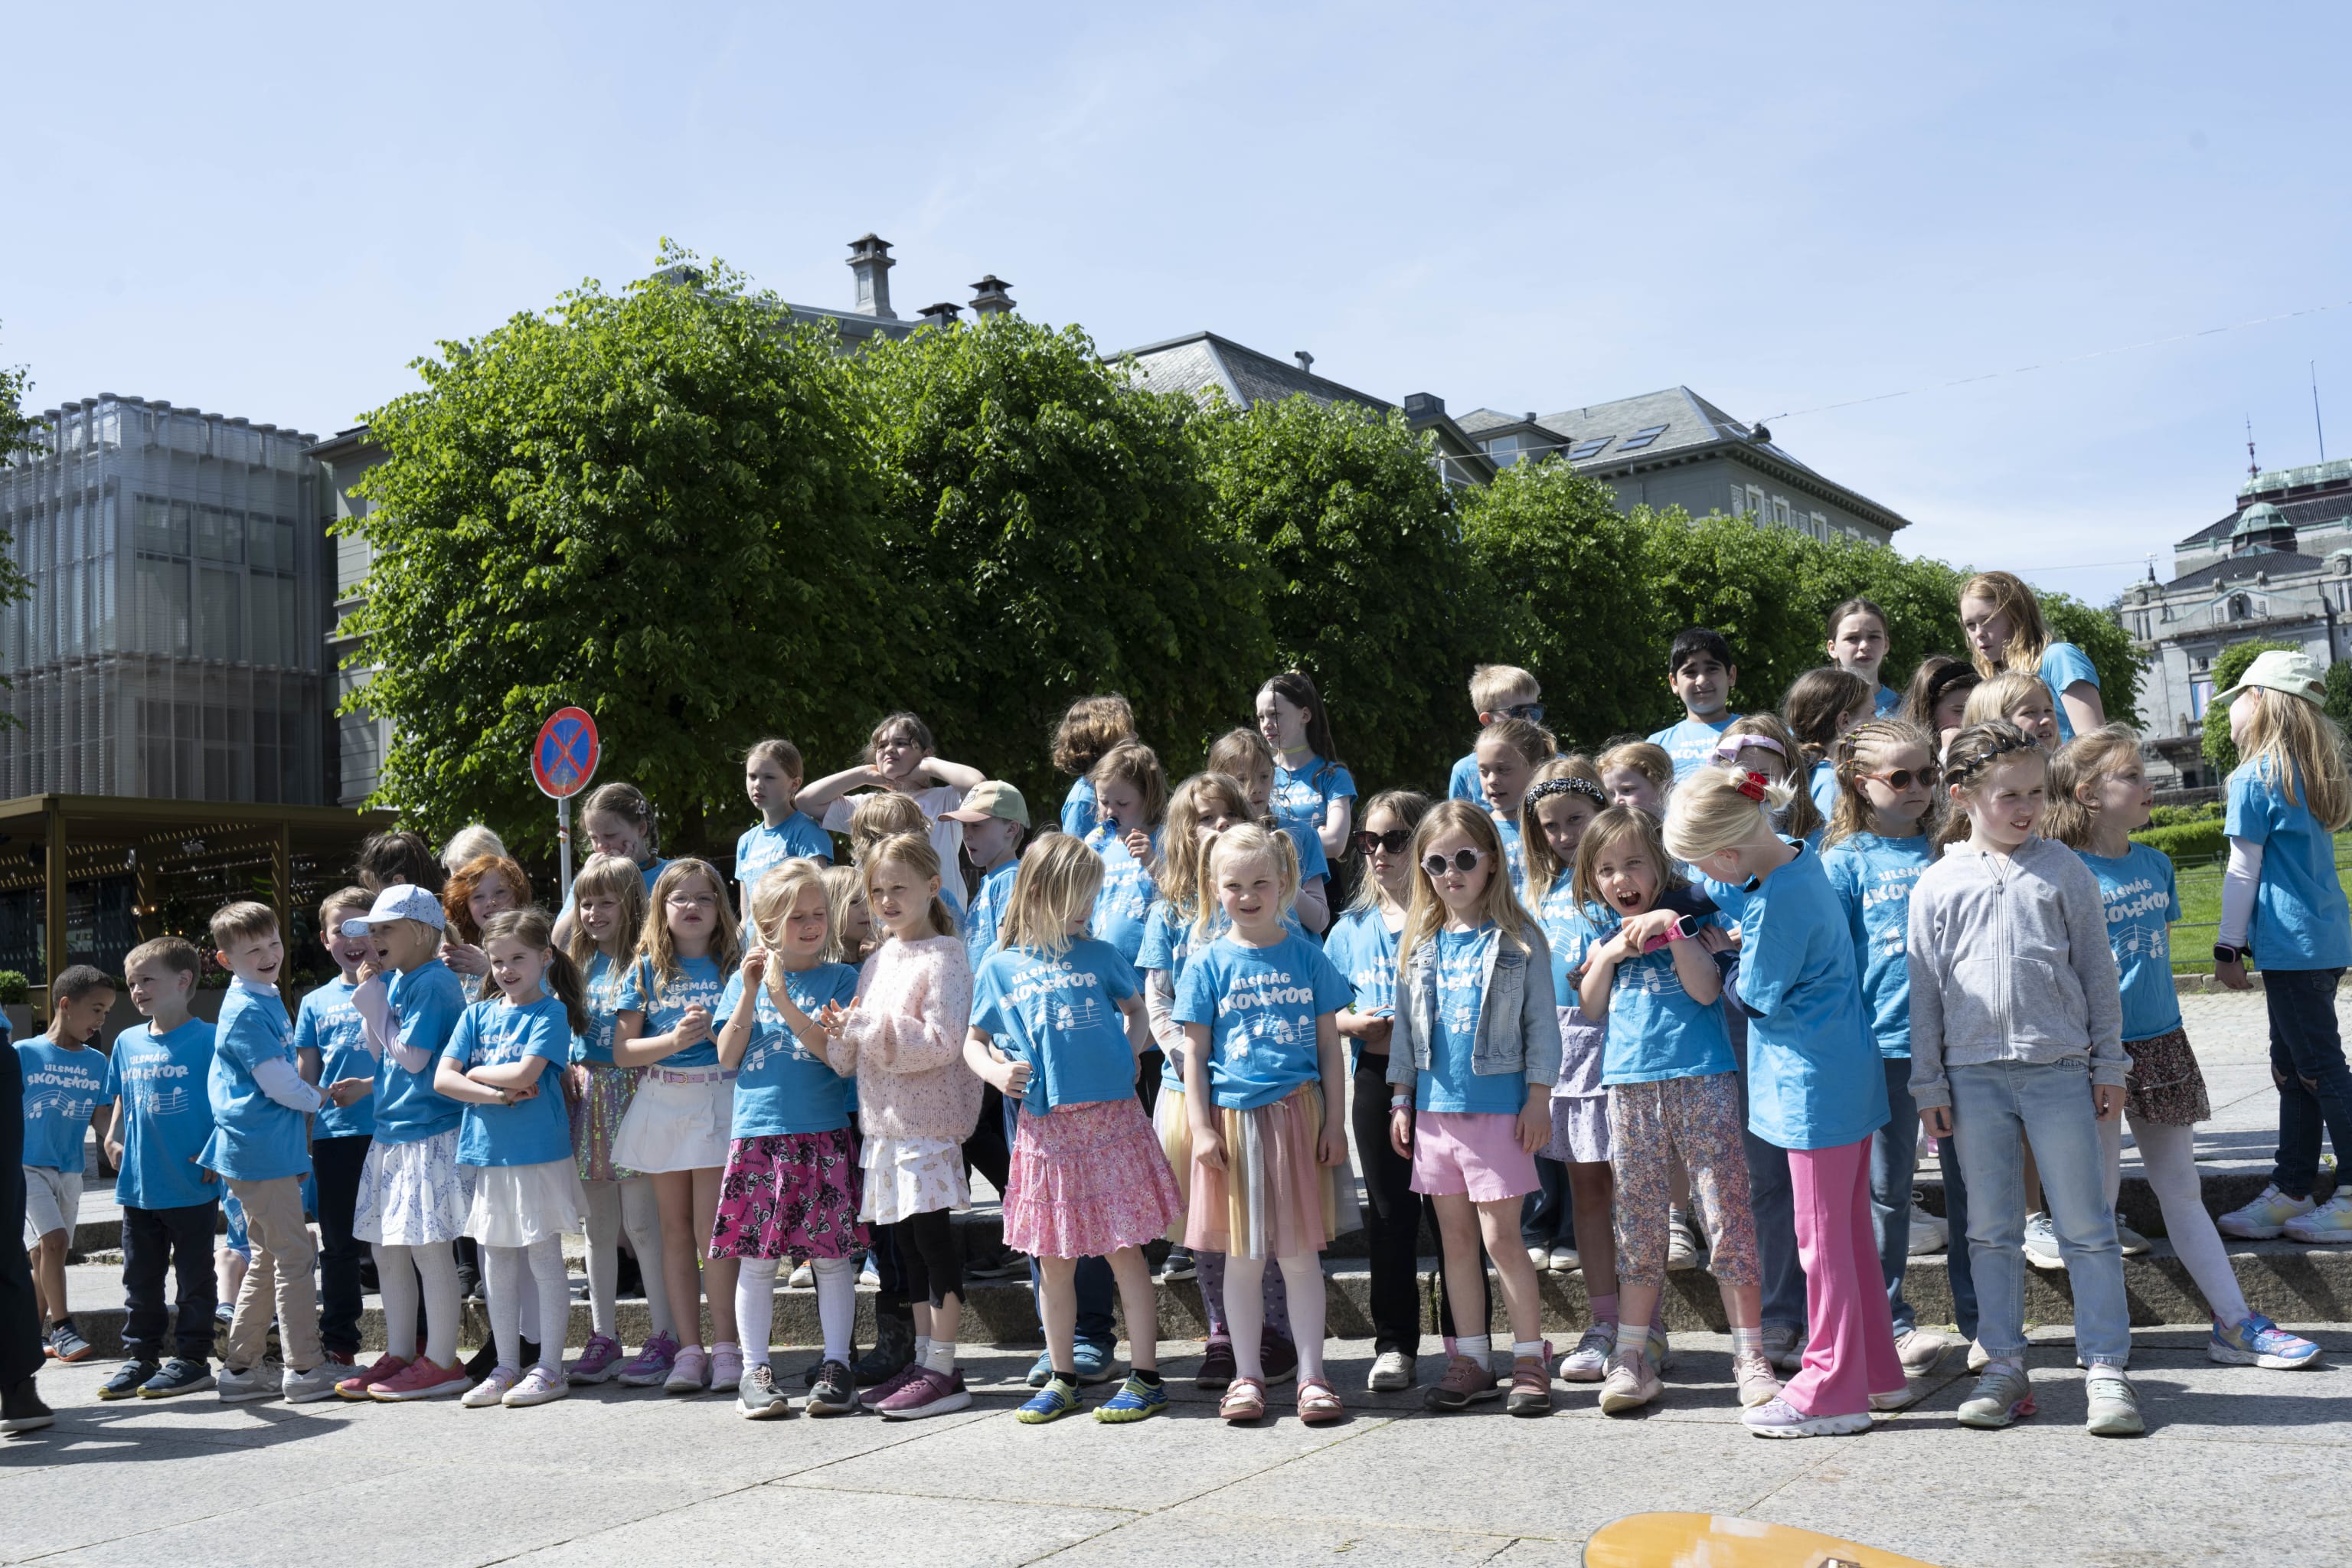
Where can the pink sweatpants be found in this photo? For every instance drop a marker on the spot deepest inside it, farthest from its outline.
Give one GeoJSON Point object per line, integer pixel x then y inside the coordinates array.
{"type": "Point", "coordinates": [1852, 1353]}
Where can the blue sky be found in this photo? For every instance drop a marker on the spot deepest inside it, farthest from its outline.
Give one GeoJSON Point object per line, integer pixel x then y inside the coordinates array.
{"type": "Point", "coordinates": [270, 212]}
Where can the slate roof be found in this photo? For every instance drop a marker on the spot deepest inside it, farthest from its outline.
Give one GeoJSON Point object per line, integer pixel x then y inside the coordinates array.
{"type": "Point", "coordinates": [2310, 512]}
{"type": "Point", "coordinates": [2277, 562]}
{"type": "Point", "coordinates": [1201, 362]}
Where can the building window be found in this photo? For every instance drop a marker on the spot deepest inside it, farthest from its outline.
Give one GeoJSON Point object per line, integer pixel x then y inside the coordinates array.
{"type": "Point", "coordinates": [1755, 501]}
{"type": "Point", "coordinates": [2200, 697]}
{"type": "Point", "coordinates": [1780, 511]}
{"type": "Point", "coordinates": [2241, 607]}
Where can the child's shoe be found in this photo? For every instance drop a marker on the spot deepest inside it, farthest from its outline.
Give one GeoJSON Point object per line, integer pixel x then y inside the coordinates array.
{"type": "Point", "coordinates": [2329, 1225]}
{"type": "Point", "coordinates": [1588, 1362]}
{"type": "Point", "coordinates": [1467, 1380]}
{"type": "Point", "coordinates": [127, 1378]}
{"type": "Point", "coordinates": [491, 1390]}
{"type": "Point", "coordinates": [177, 1377]}
{"type": "Point", "coordinates": [1929, 1233]}
{"type": "Point", "coordinates": [1920, 1349]}
{"type": "Point", "coordinates": [757, 1397]}
{"type": "Point", "coordinates": [2041, 1249]}
{"type": "Point", "coordinates": [2133, 1242]}
{"type": "Point", "coordinates": [835, 1391]}
{"type": "Point", "coordinates": [803, 1277]}
{"type": "Point", "coordinates": [543, 1384]}
{"type": "Point", "coordinates": [384, 1368]}
{"type": "Point", "coordinates": [1217, 1367]}
{"type": "Point", "coordinates": [1530, 1385]}
{"type": "Point", "coordinates": [1901, 1398]}
{"type": "Point", "coordinates": [1777, 1418]}
{"type": "Point", "coordinates": [1180, 1265]}
{"type": "Point", "coordinates": [1092, 1363]}
{"type": "Point", "coordinates": [67, 1343]}
{"type": "Point", "coordinates": [726, 1365]}
{"type": "Point", "coordinates": [1056, 1399]}
{"type": "Point", "coordinates": [1393, 1373]}
{"type": "Point", "coordinates": [2265, 1218]}
{"type": "Point", "coordinates": [1631, 1383]}
{"type": "Point", "coordinates": [1318, 1403]}
{"type": "Point", "coordinates": [690, 1373]}
{"type": "Point", "coordinates": [873, 1397]}
{"type": "Point", "coordinates": [600, 1358]}
{"type": "Point", "coordinates": [652, 1366]}
{"type": "Point", "coordinates": [928, 1393]}
{"type": "Point", "coordinates": [423, 1378]}
{"type": "Point", "coordinates": [2258, 1341]}
{"type": "Point", "coordinates": [1281, 1359]}
{"type": "Point", "coordinates": [2003, 1394]}
{"type": "Point", "coordinates": [1977, 1358]}
{"type": "Point", "coordinates": [1784, 1347]}
{"type": "Point", "coordinates": [1682, 1241]}
{"type": "Point", "coordinates": [315, 1383]}
{"type": "Point", "coordinates": [1757, 1383]}
{"type": "Point", "coordinates": [2114, 1405]}
{"type": "Point", "coordinates": [263, 1382]}
{"type": "Point", "coordinates": [1135, 1401]}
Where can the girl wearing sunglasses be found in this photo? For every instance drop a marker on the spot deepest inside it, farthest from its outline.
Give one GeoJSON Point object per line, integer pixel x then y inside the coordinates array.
{"type": "Point", "coordinates": [1474, 1055]}
{"type": "Point", "coordinates": [1877, 848]}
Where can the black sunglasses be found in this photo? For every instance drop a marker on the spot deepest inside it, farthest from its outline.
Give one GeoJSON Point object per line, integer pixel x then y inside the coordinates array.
{"type": "Point", "coordinates": [1465, 861]}
{"type": "Point", "coordinates": [1392, 842]}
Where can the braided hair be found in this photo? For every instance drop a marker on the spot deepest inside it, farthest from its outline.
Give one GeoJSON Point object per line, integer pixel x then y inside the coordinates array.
{"type": "Point", "coordinates": [1972, 753]}
{"type": "Point", "coordinates": [1850, 753]}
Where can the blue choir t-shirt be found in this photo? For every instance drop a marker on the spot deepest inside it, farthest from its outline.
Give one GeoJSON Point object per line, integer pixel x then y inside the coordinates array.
{"type": "Point", "coordinates": [763, 848]}
{"type": "Point", "coordinates": [1887, 700]}
{"type": "Point", "coordinates": [1824, 787]}
{"type": "Point", "coordinates": [1059, 1012]}
{"type": "Point", "coordinates": [534, 1131]}
{"type": "Point", "coordinates": [1451, 1084]}
{"type": "Point", "coordinates": [2300, 919]}
{"type": "Point", "coordinates": [62, 1087]}
{"type": "Point", "coordinates": [1514, 854]}
{"type": "Point", "coordinates": [2063, 664]}
{"type": "Point", "coordinates": [987, 912]}
{"type": "Point", "coordinates": [1656, 1030]}
{"type": "Point", "coordinates": [254, 1139]}
{"type": "Point", "coordinates": [1168, 944]}
{"type": "Point", "coordinates": [1463, 783]}
{"type": "Point", "coordinates": [429, 1002]}
{"type": "Point", "coordinates": [1124, 904]}
{"type": "Point", "coordinates": [1078, 807]}
{"type": "Point", "coordinates": [164, 1084]}
{"type": "Point", "coordinates": [665, 1003]}
{"type": "Point", "coordinates": [1301, 796]}
{"type": "Point", "coordinates": [2138, 891]}
{"type": "Point", "coordinates": [1813, 1079]}
{"type": "Point", "coordinates": [1260, 1006]}
{"type": "Point", "coordinates": [1312, 861]}
{"type": "Point", "coordinates": [1362, 948]}
{"type": "Point", "coordinates": [1691, 742]}
{"type": "Point", "coordinates": [328, 1023]}
{"type": "Point", "coordinates": [1872, 877]}
{"type": "Point", "coordinates": [603, 984]}
{"type": "Point", "coordinates": [779, 1088]}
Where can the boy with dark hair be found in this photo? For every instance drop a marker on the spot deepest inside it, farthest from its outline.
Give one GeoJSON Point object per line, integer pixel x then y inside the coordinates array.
{"type": "Point", "coordinates": [1700, 671]}
{"type": "Point", "coordinates": [387, 859]}
{"type": "Point", "coordinates": [157, 1080]}
{"type": "Point", "coordinates": [65, 1081]}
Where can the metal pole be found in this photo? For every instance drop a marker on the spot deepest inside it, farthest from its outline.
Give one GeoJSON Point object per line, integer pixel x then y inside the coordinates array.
{"type": "Point", "coordinates": [564, 843]}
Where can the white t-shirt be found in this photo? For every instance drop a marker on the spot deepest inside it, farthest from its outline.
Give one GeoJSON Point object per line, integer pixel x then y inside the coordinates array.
{"type": "Point", "coordinates": [947, 837]}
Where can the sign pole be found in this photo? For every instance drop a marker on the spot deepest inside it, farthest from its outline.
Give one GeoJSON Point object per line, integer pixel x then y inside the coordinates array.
{"type": "Point", "coordinates": [564, 843]}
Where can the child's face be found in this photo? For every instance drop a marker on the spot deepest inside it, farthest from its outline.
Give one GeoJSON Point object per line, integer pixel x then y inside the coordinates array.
{"type": "Point", "coordinates": [612, 834]}
{"type": "Point", "coordinates": [1122, 803]}
{"type": "Point", "coordinates": [1503, 773]}
{"type": "Point", "coordinates": [1987, 629]}
{"type": "Point", "coordinates": [1259, 782]}
{"type": "Point", "coordinates": [256, 958]}
{"type": "Point", "coordinates": [1951, 710]}
{"type": "Point", "coordinates": [1626, 876]}
{"type": "Point", "coordinates": [1631, 786]}
{"type": "Point", "coordinates": [897, 755]}
{"type": "Point", "coordinates": [1859, 645]}
{"type": "Point", "coordinates": [346, 952]}
{"type": "Point", "coordinates": [2004, 807]}
{"type": "Point", "coordinates": [1564, 818]}
{"type": "Point", "coordinates": [1457, 889]}
{"type": "Point", "coordinates": [857, 921]}
{"type": "Point", "coordinates": [1249, 890]}
{"type": "Point", "coordinates": [1282, 722]}
{"type": "Point", "coordinates": [516, 966]}
{"type": "Point", "coordinates": [2038, 718]}
{"type": "Point", "coordinates": [600, 916]}
{"type": "Point", "coordinates": [79, 1021]}
{"type": "Point", "coordinates": [1704, 683]}
{"type": "Point", "coordinates": [803, 931]}
{"type": "Point", "coordinates": [902, 900]}
{"type": "Point", "coordinates": [491, 896]}
{"type": "Point", "coordinates": [2123, 797]}
{"type": "Point", "coordinates": [1393, 868]}
{"type": "Point", "coordinates": [156, 984]}
{"type": "Point", "coordinates": [1519, 702]}
{"type": "Point", "coordinates": [690, 909]}
{"type": "Point", "coordinates": [404, 944]}
{"type": "Point", "coordinates": [2242, 710]}
{"type": "Point", "coordinates": [1904, 804]}
{"type": "Point", "coordinates": [769, 785]}
{"type": "Point", "coordinates": [990, 840]}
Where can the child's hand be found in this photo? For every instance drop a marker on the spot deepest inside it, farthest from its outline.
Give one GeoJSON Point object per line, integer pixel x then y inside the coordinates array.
{"type": "Point", "coordinates": [350, 1090]}
{"type": "Point", "coordinates": [1713, 939]}
{"type": "Point", "coordinates": [2109, 1099]}
{"type": "Point", "coordinates": [694, 1026]}
{"type": "Point", "coordinates": [1208, 1146]}
{"type": "Point", "coordinates": [2233, 975]}
{"type": "Point", "coordinates": [1534, 1119]}
{"type": "Point", "coordinates": [1400, 1132]}
{"type": "Point", "coordinates": [1332, 1147]}
{"type": "Point", "coordinates": [755, 966]}
{"type": "Point", "coordinates": [1011, 1077]}
{"type": "Point", "coordinates": [1644, 929]}
{"type": "Point", "coordinates": [834, 1019]}
{"type": "Point", "coordinates": [1937, 1120]}
{"type": "Point", "coordinates": [1138, 844]}
{"type": "Point", "coordinates": [369, 969]}
{"type": "Point", "coordinates": [575, 1081]}
{"type": "Point", "coordinates": [114, 1153]}
{"type": "Point", "coordinates": [465, 957]}
{"type": "Point", "coordinates": [517, 1095]}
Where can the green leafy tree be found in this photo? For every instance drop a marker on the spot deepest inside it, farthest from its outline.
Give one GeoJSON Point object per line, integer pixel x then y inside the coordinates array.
{"type": "Point", "coordinates": [2228, 665]}
{"type": "Point", "coordinates": [653, 504]}
{"type": "Point", "coordinates": [1369, 587]}
{"type": "Point", "coordinates": [2337, 703]}
{"type": "Point", "coordinates": [1760, 586]}
{"type": "Point", "coordinates": [1050, 535]}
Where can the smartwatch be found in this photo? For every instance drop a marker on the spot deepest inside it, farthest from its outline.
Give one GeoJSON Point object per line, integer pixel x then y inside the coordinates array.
{"type": "Point", "coordinates": [2224, 953]}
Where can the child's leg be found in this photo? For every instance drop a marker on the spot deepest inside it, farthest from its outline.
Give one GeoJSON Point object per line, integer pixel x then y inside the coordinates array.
{"type": "Point", "coordinates": [641, 1219]}
{"type": "Point", "coordinates": [1593, 1189]}
{"type": "Point", "coordinates": [1210, 1268]}
{"type": "Point", "coordinates": [1894, 1161]}
{"type": "Point", "coordinates": [718, 1273]}
{"type": "Point", "coordinates": [338, 1163]}
{"type": "Point", "coordinates": [2168, 1155]}
{"type": "Point", "coordinates": [49, 1259]}
{"type": "Point", "coordinates": [755, 1306]}
{"type": "Point", "coordinates": [545, 1256]}
{"type": "Point", "coordinates": [1246, 1315]}
{"type": "Point", "coordinates": [604, 1203]}
{"type": "Point", "coordinates": [1958, 1257]}
{"type": "Point", "coordinates": [504, 1280]}
{"type": "Point", "coordinates": [1987, 1131]}
{"type": "Point", "coordinates": [1498, 1222]}
{"type": "Point", "coordinates": [680, 1248]}
{"type": "Point", "coordinates": [2034, 1201]}
{"type": "Point", "coordinates": [1392, 1217]}
{"type": "Point", "coordinates": [916, 1279]}
{"type": "Point", "coordinates": [1701, 1117]}
{"type": "Point", "coordinates": [1638, 1160]}
{"type": "Point", "coordinates": [1303, 1273]}
{"type": "Point", "coordinates": [1851, 1352]}
{"type": "Point", "coordinates": [1466, 1278]}
{"type": "Point", "coordinates": [2055, 1104]}
{"type": "Point", "coordinates": [397, 1279]}
{"type": "Point", "coordinates": [191, 1267]}
{"type": "Point", "coordinates": [1772, 1201]}
{"type": "Point", "coordinates": [228, 1274]}
{"type": "Point", "coordinates": [2315, 1083]}
{"type": "Point", "coordinates": [836, 1303]}
{"type": "Point", "coordinates": [1135, 1294]}
{"type": "Point", "coordinates": [444, 1306]}
{"type": "Point", "coordinates": [1057, 1304]}
{"type": "Point", "coordinates": [146, 1259]}
{"type": "Point", "coordinates": [936, 1270]}
{"type": "Point", "coordinates": [1275, 1297]}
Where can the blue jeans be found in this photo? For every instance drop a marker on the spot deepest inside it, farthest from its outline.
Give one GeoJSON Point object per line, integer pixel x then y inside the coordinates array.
{"type": "Point", "coordinates": [1992, 1104]}
{"type": "Point", "coordinates": [1097, 1288]}
{"type": "Point", "coordinates": [1894, 1159]}
{"type": "Point", "coordinates": [2314, 1084]}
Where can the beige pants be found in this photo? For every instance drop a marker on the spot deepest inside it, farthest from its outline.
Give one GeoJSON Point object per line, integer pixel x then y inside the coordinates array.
{"type": "Point", "coordinates": [283, 1257]}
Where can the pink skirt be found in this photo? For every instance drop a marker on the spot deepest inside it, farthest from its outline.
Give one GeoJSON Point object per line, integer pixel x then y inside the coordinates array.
{"type": "Point", "coordinates": [596, 1118]}
{"type": "Point", "coordinates": [790, 1195]}
{"type": "Point", "coordinates": [1473, 1152]}
{"type": "Point", "coordinates": [1274, 1198]}
{"type": "Point", "coordinates": [1086, 1181]}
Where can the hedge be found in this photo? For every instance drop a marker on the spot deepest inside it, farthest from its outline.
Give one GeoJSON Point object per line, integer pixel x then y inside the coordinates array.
{"type": "Point", "coordinates": [2188, 843]}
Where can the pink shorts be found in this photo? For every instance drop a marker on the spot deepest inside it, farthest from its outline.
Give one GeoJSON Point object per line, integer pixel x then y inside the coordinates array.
{"type": "Point", "coordinates": [1473, 1151]}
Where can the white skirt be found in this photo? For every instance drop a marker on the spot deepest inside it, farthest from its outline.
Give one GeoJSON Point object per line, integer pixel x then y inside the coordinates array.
{"type": "Point", "coordinates": [907, 1177]}
{"type": "Point", "coordinates": [674, 1126]}
{"type": "Point", "coordinates": [414, 1194]}
{"type": "Point", "coordinates": [516, 1206]}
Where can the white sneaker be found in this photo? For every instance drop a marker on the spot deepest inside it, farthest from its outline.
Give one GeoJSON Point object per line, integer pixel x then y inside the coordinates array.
{"type": "Point", "coordinates": [491, 1390]}
{"type": "Point", "coordinates": [1540, 1257]}
{"type": "Point", "coordinates": [539, 1386]}
{"type": "Point", "coordinates": [2329, 1225]}
{"type": "Point", "coordinates": [266, 1381]}
{"type": "Point", "coordinates": [2042, 1243]}
{"type": "Point", "coordinates": [2133, 1242]}
{"type": "Point", "coordinates": [1929, 1233]}
{"type": "Point", "coordinates": [1393, 1371]}
{"type": "Point", "coordinates": [1682, 1243]}
{"type": "Point", "coordinates": [1785, 1346]}
{"type": "Point", "coordinates": [2265, 1218]}
{"type": "Point", "coordinates": [319, 1383]}
{"type": "Point", "coordinates": [1588, 1362]}
{"type": "Point", "coordinates": [803, 1277]}
{"type": "Point", "coordinates": [1921, 1349]}
{"type": "Point", "coordinates": [1564, 1259]}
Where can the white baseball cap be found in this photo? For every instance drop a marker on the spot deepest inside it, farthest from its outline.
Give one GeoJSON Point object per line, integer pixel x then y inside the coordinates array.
{"type": "Point", "coordinates": [401, 902]}
{"type": "Point", "coordinates": [2278, 669]}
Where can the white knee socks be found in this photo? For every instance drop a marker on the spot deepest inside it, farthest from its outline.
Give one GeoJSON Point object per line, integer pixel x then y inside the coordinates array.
{"type": "Point", "coordinates": [614, 1207]}
{"type": "Point", "coordinates": [836, 1303]}
{"type": "Point", "coordinates": [512, 1274]}
{"type": "Point", "coordinates": [397, 1269]}
{"type": "Point", "coordinates": [755, 1307]}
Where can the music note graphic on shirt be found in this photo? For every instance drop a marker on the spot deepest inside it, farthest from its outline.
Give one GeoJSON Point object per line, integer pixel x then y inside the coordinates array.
{"type": "Point", "coordinates": [154, 1102]}
{"type": "Point", "coordinates": [39, 1105]}
{"type": "Point", "coordinates": [1081, 1012]}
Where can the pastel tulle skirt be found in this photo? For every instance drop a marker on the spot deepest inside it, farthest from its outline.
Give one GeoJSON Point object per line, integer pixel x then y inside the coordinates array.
{"type": "Point", "coordinates": [1274, 1198]}
{"type": "Point", "coordinates": [1088, 1180]}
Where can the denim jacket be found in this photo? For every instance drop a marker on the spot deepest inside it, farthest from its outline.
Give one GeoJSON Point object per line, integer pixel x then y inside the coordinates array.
{"type": "Point", "coordinates": [1518, 1017]}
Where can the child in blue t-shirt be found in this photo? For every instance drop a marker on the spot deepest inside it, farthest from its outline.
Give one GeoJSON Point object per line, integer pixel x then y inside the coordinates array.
{"type": "Point", "coordinates": [1243, 756]}
{"type": "Point", "coordinates": [65, 1083]}
{"type": "Point", "coordinates": [1058, 1022]}
{"type": "Point", "coordinates": [1814, 1088]}
{"type": "Point", "coordinates": [1312, 793]}
{"type": "Point", "coordinates": [330, 1045]}
{"type": "Point", "coordinates": [996, 820]}
{"type": "Point", "coordinates": [1261, 1067]}
{"type": "Point", "coordinates": [1090, 727]}
{"type": "Point", "coordinates": [1509, 750]}
{"type": "Point", "coordinates": [792, 1184]}
{"type": "Point", "coordinates": [158, 1079]}
{"type": "Point", "coordinates": [1700, 673]}
{"type": "Point", "coordinates": [2099, 796]}
{"type": "Point", "coordinates": [771, 778]}
{"type": "Point", "coordinates": [1131, 801]}
{"type": "Point", "coordinates": [1496, 691]}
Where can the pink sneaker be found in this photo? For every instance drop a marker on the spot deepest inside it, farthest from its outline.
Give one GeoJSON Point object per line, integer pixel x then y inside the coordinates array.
{"type": "Point", "coordinates": [873, 1397]}
{"type": "Point", "coordinates": [651, 1367]}
{"type": "Point", "coordinates": [421, 1379]}
{"type": "Point", "coordinates": [928, 1393]}
{"type": "Point", "coordinates": [387, 1366]}
{"type": "Point", "coordinates": [690, 1374]}
{"type": "Point", "coordinates": [726, 1365]}
{"type": "Point", "coordinates": [600, 1358]}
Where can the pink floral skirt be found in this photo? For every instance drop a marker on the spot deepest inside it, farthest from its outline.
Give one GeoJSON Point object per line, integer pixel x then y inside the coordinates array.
{"type": "Point", "coordinates": [1086, 1181]}
{"type": "Point", "coordinates": [792, 1195]}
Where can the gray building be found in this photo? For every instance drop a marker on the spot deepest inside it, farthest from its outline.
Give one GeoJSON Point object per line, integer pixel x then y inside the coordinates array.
{"type": "Point", "coordinates": [2277, 567]}
{"type": "Point", "coordinates": [173, 644]}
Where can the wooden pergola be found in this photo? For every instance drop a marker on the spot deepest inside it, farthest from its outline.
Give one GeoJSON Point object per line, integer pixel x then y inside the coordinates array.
{"type": "Point", "coordinates": [82, 838]}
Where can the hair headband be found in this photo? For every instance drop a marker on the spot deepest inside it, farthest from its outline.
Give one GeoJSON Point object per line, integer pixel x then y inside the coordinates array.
{"type": "Point", "coordinates": [1726, 751]}
{"type": "Point", "coordinates": [1552, 787]}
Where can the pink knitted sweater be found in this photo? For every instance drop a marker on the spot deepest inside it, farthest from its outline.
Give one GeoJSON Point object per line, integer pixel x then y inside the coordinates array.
{"type": "Point", "coordinates": [905, 1041]}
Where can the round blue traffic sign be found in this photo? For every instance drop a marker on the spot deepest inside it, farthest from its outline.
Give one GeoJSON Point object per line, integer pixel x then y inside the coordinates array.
{"type": "Point", "coordinates": [563, 758]}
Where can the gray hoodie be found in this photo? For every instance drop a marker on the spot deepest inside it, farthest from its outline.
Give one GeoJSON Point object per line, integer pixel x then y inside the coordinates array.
{"type": "Point", "coordinates": [2010, 961]}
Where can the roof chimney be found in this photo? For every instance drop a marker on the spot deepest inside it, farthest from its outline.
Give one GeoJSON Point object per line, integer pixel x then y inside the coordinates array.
{"type": "Point", "coordinates": [869, 258]}
{"type": "Point", "coordinates": [1424, 406]}
{"type": "Point", "coordinates": [989, 297]}
{"type": "Point", "coordinates": [941, 315]}
{"type": "Point", "coordinates": [1305, 360]}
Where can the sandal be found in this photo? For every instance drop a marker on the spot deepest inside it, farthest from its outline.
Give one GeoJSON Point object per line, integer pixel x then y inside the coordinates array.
{"type": "Point", "coordinates": [1318, 1403]}
{"type": "Point", "coordinates": [1245, 1400]}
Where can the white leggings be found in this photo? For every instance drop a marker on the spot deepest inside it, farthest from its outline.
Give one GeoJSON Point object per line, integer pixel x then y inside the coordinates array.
{"type": "Point", "coordinates": [509, 1275]}
{"type": "Point", "coordinates": [1302, 1279]}
{"type": "Point", "coordinates": [396, 1271]}
{"type": "Point", "coordinates": [613, 1205]}
{"type": "Point", "coordinates": [755, 1305]}
{"type": "Point", "coordinates": [2168, 1155]}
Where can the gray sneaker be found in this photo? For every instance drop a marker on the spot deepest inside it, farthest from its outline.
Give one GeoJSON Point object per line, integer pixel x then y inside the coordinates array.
{"type": "Point", "coordinates": [1683, 1250]}
{"type": "Point", "coordinates": [2114, 1405]}
{"type": "Point", "coordinates": [2134, 1244]}
{"type": "Point", "coordinates": [1921, 1348]}
{"type": "Point", "coordinates": [2003, 1394]}
{"type": "Point", "coordinates": [757, 1397]}
{"type": "Point", "coordinates": [2042, 1243]}
{"type": "Point", "coordinates": [834, 1393]}
{"type": "Point", "coordinates": [1785, 1346]}
{"type": "Point", "coordinates": [263, 1382]}
{"type": "Point", "coordinates": [319, 1383]}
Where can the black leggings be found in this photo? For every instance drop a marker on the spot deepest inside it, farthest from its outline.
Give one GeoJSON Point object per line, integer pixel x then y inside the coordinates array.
{"type": "Point", "coordinates": [929, 1258]}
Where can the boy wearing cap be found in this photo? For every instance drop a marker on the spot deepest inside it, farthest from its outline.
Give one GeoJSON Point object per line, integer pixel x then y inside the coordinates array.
{"type": "Point", "coordinates": [260, 1145]}
{"type": "Point", "coordinates": [996, 820]}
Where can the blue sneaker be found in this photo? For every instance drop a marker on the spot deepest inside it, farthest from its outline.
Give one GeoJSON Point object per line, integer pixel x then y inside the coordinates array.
{"type": "Point", "coordinates": [1051, 1403]}
{"type": "Point", "coordinates": [1092, 1363]}
{"type": "Point", "coordinates": [179, 1376]}
{"type": "Point", "coordinates": [2258, 1341]}
{"type": "Point", "coordinates": [1135, 1401]}
{"type": "Point", "coordinates": [1040, 1370]}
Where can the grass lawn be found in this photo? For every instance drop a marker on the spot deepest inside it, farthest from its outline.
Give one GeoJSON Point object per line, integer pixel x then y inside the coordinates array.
{"type": "Point", "coordinates": [2201, 909]}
